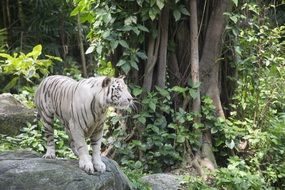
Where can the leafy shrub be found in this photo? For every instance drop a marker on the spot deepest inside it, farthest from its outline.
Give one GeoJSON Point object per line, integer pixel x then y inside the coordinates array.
{"type": "Point", "coordinates": [155, 145]}
{"type": "Point", "coordinates": [161, 133]}
{"type": "Point", "coordinates": [31, 137]}
{"type": "Point", "coordinates": [21, 68]}
{"type": "Point", "coordinates": [257, 107]}
{"type": "Point", "coordinates": [135, 173]}
{"type": "Point", "coordinates": [237, 175]}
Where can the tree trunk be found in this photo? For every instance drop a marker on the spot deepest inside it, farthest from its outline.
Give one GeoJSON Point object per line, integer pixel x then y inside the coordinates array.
{"type": "Point", "coordinates": [8, 13]}
{"type": "Point", "coordinates": [209, 69]}
{"type": "Point", "coordinates": [152, 54]}
{"type": "Point", "coordinates": [174, 71]}
{"type": "Point", "coordinates": [62, 38]}
{"type": "Point", "coordinates": [162, 63]}
{"type": "Point", "coordinates": [81, 47]}
{"type": "Point", "coordinates": [209, 61]}
{"type": "Point", "coordinates": [21, 14]}
{"type": "Point", "coordinates": [182, 45]}
{"type": "Point", "coordinates": [21, 17]}
{"type": "Point", "coordinates": [8, 22]}
{"type": "Point", "coordinates": [4, 14]}
{"type": "Point", "coordinates": [194, 52]}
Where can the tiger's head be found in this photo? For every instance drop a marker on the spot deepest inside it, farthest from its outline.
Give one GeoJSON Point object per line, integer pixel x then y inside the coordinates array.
{"type": "Point", "coordinates": [117, 95]}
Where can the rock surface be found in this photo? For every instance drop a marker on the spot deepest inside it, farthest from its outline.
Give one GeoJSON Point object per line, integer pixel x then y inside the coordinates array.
{"type": "Point", "coordinates": [24, 170]}
{"type": "Point", "coordinates": [13, 115]}
{"type": "Point", "coordinates": [162, 181]}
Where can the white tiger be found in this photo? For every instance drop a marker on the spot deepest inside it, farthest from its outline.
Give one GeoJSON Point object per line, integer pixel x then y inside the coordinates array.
{"type": "Point", "coordinates": [81, 107]}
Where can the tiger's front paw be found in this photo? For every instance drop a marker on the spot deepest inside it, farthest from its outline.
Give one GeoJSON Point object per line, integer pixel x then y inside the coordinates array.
{"type": "Point", "coordinates": [99, 165]}
{"type": "Point", "coordinates": [87, 166]}
{"type": "Point", "coordinates": [50, 154]}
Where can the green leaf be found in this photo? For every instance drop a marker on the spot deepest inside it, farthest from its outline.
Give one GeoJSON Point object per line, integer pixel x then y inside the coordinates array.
{"type": "Point", "coordinates": [106, 34]}
{"type": "Point", "coordinates": [177, 14]}
{"type": "Point", "coordinates": [140, 2]}
{"type": "Point", "coordinates": [180, 139]}
{"type": "Point", "coordinates": [11, 84]}
{"type": "Point", "coordinates": [152, 2]}
{"type": "Point", "coordinates": [136, 30]}
{"type": "Point", "coordinates": [160, 4]}
{"type": "Point", "coordinates": [154, 128]}
{"type": "Point", "coordinates": [44, 62]}
{"type": "Point", "coordinates": [137, 91]}
{"type": "Point", "coordinates": [124, 43]}
{"type": "Point", "coordinates": [107, 18]}
{"type": "Point", "coordinates": [214, 130]}
{"type": "Point", "coordinates": [234, 18]}
{"type": "Point", "coordinates": [195, 85]}
{"type": "Point", "coordinates": [142, 55]}
{"type": "Point", "coordinates": [136, 142]}
{"type": "Point", "coordinates": [75, 11]}
{"type": "Point", "coordinates": [143, 28]}
{"type": "Point", "coordinates": [126, 68]}
{"type": "Point", "coordinates": [237, 50]}
{"type": "Point", "coordinates": [114, 44]}
{"type": "Point", "coordinates": [193, 93]}
{"type": "Point", "coordinates": [134, 65]}
{"type": "Point", "coordinates": [162, 91]}
{"type": "Point", "coordinates": [37, 50]}
{"type": "Point", "coordinates": [7, 56]}
{"type": "Point", "coordinates": [90, 49]}
{"type": "Point", "coordinates": [99, 49]}
{"type": "Point", "coordinates": [230, 144]}
{"type": "Point", "coordinates": [126, 28]}
{"type": "Point", "coordinates": [31, 72]}
{"type": "Point", "coordinates": [179, 89]}
{"type": "Point", "coordinates": [54, 58]}
{"type": "Point", "coordinates": [172, 126]}
{"type": "Point", "coordinates": [235, 2]}
{"type": "Point", "coordinates": [142, 119]}
{"type": "Point", "coordinates": [152, 105]}
{"type": "Point", "coordinates": [87, 17]}
{"type": "Point", "coordinates": [152, 14]}
{"type": "Point", "coordinates": [120, 63]}
{"type": "Point", "coordinates": [130, 20]}
{"type": "Point", "coordinates": [184, 11]}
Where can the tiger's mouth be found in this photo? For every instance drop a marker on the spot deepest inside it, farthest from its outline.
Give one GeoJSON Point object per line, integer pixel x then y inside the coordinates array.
{"type": "Point", "coordinates": [123, 105]}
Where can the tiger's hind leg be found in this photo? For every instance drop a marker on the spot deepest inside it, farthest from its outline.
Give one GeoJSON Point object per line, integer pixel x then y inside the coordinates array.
{"type": "Point", "coordinates": [47, 120]}
{"type": "Point", "coordinates": [73, 148]}
{"type": "Point", "coordinates": [71, 142]}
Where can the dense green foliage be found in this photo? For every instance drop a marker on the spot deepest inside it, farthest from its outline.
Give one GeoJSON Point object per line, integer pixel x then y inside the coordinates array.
{"type": "Point", "coordinates": [257, 110]}
{"type": "Point", "coordinates": [248, 144]}
{"type": "Point", "coordinates": [165, 131]}
{"type": "Point", "coordinates": [22, 68]}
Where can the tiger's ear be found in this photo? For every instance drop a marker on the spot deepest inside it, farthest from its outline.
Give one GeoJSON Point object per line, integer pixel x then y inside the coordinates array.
{"type": "Point", "coordinates": [106, 82]}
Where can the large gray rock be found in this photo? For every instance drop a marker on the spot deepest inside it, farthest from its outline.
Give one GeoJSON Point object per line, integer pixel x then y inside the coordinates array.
{"type": "Point", "coordinates": [162, 181]}
{"type": "Point", "coordinates": [24, 170]}
{"type": "Point", "coordinates": [13, 115]}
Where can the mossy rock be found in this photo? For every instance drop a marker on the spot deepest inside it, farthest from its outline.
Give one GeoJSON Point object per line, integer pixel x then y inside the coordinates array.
{"type": "Point", "coordinates": [13, 115]}
{"type": "Point", "coordinates": [25, 170]}
{"type": "Point", "coordinates": [162, 181]}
